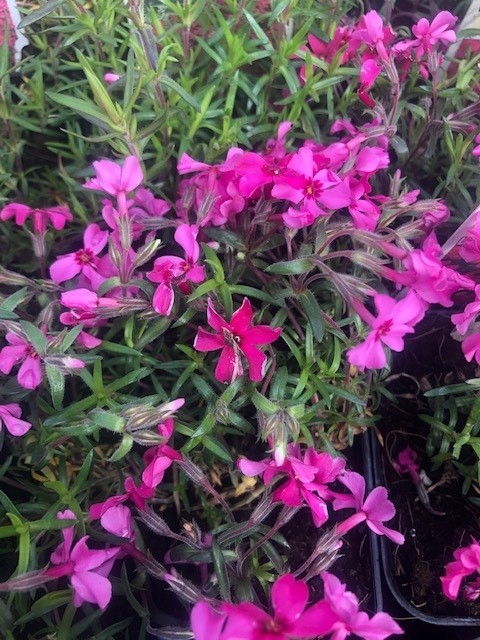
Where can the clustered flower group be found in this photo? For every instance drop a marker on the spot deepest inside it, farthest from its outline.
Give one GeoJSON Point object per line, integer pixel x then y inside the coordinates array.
{"type": "Point", "coordinates": [322, 199]}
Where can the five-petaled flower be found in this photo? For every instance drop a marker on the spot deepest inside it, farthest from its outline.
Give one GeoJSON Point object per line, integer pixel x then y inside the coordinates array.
{"type": "Point", "coordinates": [87, 569]}
{"type": "Point", "coordinates": [375, 509]}
{"type": "Point", "coordinates": [236, 338]}
{"type": "Point", "coordinates": [394, 320]}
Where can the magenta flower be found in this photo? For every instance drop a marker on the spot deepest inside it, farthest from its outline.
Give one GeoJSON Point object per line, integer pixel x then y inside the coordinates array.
{"type": "Point", "coordinates": [139, 495]}
{"type": "Point", "coordinates": [87, 569]}
{"type": "Point", "coordinates": [369, 72]}
{"type": "Point", "coordinates": [116, 179]}
{"type": "Point", "coordinates": [374, 510]}
{"type": "Point", "coordinates": [118, 520]}
{"type": "Point", "coordinates": [307, 479]}
{"type": "Point", "coordinates": [310, 187]}
{"type": "Point", "coordinates": [170, 270]}
{"type": "Point", "coordinates": [440, 30]}
{"type": "Point", "coordinates": [84, 261]}
{"type": "Point", "coordinates": [291, 618]}
{"type": "Point", "coordinates": [394, 320]}
{"type": "Point", "coordinates": [207, 624]}
{"type": "Point", "coordinates": [57, 216]}
{"type": "Point", "coordinates": [467, 561]}
{"type": "Point", "coordinates": [158, 459]}
{"type": "Point", "coordinates": [343, 605]}
{"type": "Point", "coordinates": [10, 417]}
{"type": "Point", "coordinates": [427, 276]}
{"type": "Point", "coordinates": [29, 375]}
{"type": "Point", "coordinates": [236, 338]}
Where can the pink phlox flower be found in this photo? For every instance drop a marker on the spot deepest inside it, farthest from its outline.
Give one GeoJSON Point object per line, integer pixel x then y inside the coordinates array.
{"type": "Point", "coordinates": [406, 462]}
{"type": "Point", "coordinates": [328, 50]}
{"type": "Point", "coordinates": [394, 320]}
{"type": "Point", "coordinates": [87, 569]}
{"type": "Point", "coordinates": [374, 510]}
{"type": "Point", "coordinates": [332, 156]}
{"type": "Point", "coordinates": [462, 321]}
{"type": "Point", "coordinates": [213, 191]}
{"type": "Point", "coordinates": [343, 606]}
{"type": "Point", "coordinates": [146, 207]}
{"type": "Point", "coordinates": [116, 179]}
{"type": "Point", "coordinates": [84, 261]}
{"type": "Point", "coordinates": [236, 338]}
{"type": "Point", "coordinates": [307, 478]}
{"type": "Point", "coordinates": [139, 495]}
{"type": "Point", "coordinates": [372, 33]}
{"type": "Point", "coordinates": [159, 458]}
{"type": "Point", "coordinates": [428, 276]}
{"type": "Point", "coordinates": [439, 30]}
{"type": "Point", "coordinates": [467, 561]}
{"type": "Point", "coordinates": [471, 347]}
{"type": "Point", "coordinates": [291, 617]}
{"type": "Point", "coordinates": [19, 350]}
{"type": "Point", "coordinates": [84, 307]}
{"type": "Point", "coordinates": [275, 147]}
{"type": "Point", "coordinates": [364, 212]}
{"type": "Point", "coordinates": [206, 622]}
{"type": "Point", "coordinates": [255, 171]}
{"type": "Point", "coordinates": [309, 187]}
{"type": "Point", "coordinates": [369, 71]}
{"type": "Point", "coordinates": [118, 520]}
{"type": "Point", "coordinates": [469, 249]}
{"type": "Point", "coordinates": [369, 160]}
{"type": "Point", "coordinates": [57, 216]}
{"type": "Point", "coordinates": [10, 418]}
{"type": "Point", "coordinates": [437, 213]}
{"type": "Point", "coordinates": [170, 270]}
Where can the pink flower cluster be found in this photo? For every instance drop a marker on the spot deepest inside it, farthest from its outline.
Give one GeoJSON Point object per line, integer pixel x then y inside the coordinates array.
{"type": "Point", "coordinates": [337, 613]}
{"type": "Point", "coordinates": [308, 481]}
{"type": "Point", "coordinates": [467, 561]}
{"type": "Point", "coordinates": [370, 44]}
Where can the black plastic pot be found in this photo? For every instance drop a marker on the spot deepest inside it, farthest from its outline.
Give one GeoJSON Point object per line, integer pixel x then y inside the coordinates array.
{"type": "Point", "coordinates": [382, 561]}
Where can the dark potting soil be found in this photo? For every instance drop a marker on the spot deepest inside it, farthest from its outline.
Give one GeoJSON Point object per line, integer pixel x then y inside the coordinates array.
{"type": "Point", "coordinates": [352, 565]}
{"type": "Point", "coordinates": [431, 358]}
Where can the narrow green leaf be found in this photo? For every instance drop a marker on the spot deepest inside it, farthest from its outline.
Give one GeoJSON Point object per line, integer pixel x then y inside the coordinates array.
{"type": "Point", "coordinates": [38, 14]}
{"type": "Point", "coordinates": [313, 312]}
{"type": "Point", "coordinates": [221, 573]}
{"type": "Point", "coordinates": [56, 381]}
{"type": "Point", "coordinates": [176, 88]}
{"type": "Point", "coordinates": [292, 267]}
{"type": "Point", "coordinates": [35, 336]}
{"type": "Point", "coordinates": [123, 449]}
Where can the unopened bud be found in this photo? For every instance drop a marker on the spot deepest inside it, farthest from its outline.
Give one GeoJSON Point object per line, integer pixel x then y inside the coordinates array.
{"type": "Point", "coordinates": [206, 207]}
{"type": "Point", "coordinates": [186, 590]}
{"type": "Point", "coordinates": [154, 522]}
{"type": "Point", "coordinates": [146, 253]}
{"type": "Point", "coordinates": [14, 279]}
{"type": "Point", "coordinates": [279, 429]}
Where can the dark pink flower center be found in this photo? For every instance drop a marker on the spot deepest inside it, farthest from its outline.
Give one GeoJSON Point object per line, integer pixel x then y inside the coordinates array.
{"type": "Point", "coordinates": [313, 189]}
{"type": "Point", "coordinates": [31, 353]}
{"type": "Point", "coordinates": [274, 626]}
{"type": "Point", "coordinates": [272, 169]}
{"type": "Point", "coordinates": [383, 329]}
{"type": "Point", "coordinates": [84, 257]}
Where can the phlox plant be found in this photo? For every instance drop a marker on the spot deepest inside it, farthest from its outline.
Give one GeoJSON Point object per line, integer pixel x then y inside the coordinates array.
{"type": "Point", "coordinates": [195, 334]}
